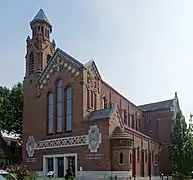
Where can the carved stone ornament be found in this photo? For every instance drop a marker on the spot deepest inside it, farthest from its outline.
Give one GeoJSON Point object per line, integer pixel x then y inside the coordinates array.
{"type": "Point", "coordinates": [30, 146]}
{"type": "Point", "coordinates": [94, 138]}
{"type": "Point", "coordinates": [59, 64]}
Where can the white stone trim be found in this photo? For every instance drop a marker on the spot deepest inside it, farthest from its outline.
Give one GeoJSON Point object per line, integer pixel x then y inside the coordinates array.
{"type": "Point", "coordinates": [98, 174]}
{"type": "Point", "coordinates": [71, 141]}
{"type": "Point", "coordinates": [55, 163]}
{"type": "Point", "coordinates": [62, 142]}
{"type": "Point", "coordinates": [97, 138]}
{"type": "Point", "coordinates": [104, 174]}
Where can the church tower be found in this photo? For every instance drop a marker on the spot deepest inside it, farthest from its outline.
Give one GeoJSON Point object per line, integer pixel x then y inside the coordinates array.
{"type": "Point", "coordinates": [39, 47]}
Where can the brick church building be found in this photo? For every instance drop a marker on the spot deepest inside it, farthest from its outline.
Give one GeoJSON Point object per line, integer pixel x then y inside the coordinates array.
{"type": "Point", "coordinates": [74, 119]}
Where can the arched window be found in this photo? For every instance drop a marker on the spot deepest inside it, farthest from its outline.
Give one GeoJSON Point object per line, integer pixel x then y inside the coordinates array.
{"type": "Point", "coordinates": [48, 58]}
{"type": "Point", "coordinates": [133, 121]}
{"type": "Point", "coordinates": [50, 111]}
{"type": "Point", "coordinates": [59, 106]}
{"type": "Point", "coordinates": [128, 123]}
{"type": "Point", "coordinates": [125, 117]}
{"type": "Point", "coordinates": [69, 109]}
{"type": "Point", "coordinates": [121, 158]}
{"type": "Point", "coordinates": [105, 102]}
{"type": "Point", "coordinates": [31, 63]}
{"type": "Point", "coordinates": [88, 99]}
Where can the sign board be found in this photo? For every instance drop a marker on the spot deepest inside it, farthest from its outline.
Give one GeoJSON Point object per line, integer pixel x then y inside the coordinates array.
{"type": "Point", "coordinates": [50, 174]}
{"type": "Point", "coordinates": [31, 160]}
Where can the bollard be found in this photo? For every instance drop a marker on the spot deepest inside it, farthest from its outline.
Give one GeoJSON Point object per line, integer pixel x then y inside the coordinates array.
{"type": "Point", "coordinates": [115, 177]}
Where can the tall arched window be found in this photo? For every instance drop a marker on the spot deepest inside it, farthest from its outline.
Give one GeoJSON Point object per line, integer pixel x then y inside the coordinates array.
{"type": "Point", "coordinates": [69, 109]}
{"type": "Point", "coordinates": [48, 58]}
{"type": "Point", "coordinates": [31, 63]}
{"type": "Point", "coordinates": [59, 106]}
{"type": "Point", "coordinates": [50, 111]}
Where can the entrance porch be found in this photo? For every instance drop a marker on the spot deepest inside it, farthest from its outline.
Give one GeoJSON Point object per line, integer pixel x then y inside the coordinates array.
{"type": "Point", "coordinates": [59, 163]}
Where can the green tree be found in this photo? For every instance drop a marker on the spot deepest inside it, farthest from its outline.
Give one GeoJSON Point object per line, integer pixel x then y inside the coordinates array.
{"type": "Point", "coordinates": [11, 109]}
{"type": "Point", "coordinates": [2, 158]}
{"type": "Point", "coordinates": [181, 147]}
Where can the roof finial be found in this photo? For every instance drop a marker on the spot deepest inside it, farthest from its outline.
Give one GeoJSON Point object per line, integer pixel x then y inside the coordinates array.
{"type": "Point", "coordinates": [41, 4]}
{"type": "Point", "coordinates": [176, 95]}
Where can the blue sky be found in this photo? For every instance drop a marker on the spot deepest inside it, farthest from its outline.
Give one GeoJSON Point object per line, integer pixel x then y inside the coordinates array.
{"type": "Point", "coordinates": [148, 44]}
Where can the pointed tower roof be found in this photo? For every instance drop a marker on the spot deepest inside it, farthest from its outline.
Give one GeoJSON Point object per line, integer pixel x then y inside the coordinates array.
{"type": "Point", "coordinates": [41, 17]}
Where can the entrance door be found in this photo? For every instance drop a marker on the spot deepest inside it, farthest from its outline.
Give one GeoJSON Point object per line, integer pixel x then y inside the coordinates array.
{"type": "Point", "coordinates": [60, 167]}
{"type": "Point", "coordinates": [50, 164]}
{"type": "Point", "coordinates": [71, 164]}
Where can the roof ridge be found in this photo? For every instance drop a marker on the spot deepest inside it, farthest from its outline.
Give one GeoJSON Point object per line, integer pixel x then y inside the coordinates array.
{"type": "Point", "coordinates": [156, 102]}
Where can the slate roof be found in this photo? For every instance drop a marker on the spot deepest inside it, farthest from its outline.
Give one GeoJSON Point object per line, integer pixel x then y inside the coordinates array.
{"type": "Point", "coordinates": [157, 105]}
{"type": "Point", "coordinates": [58, 50]}
{"type": "Point", "coordinates": [41, 16]}
{"type": "Point", "coordinates": [101, 114]}
{"type": "Point", "coordinates": [71, 58]}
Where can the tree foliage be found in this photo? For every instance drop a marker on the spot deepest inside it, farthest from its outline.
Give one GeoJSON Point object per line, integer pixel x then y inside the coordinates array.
{"type": "Point", "coordinates": [181, 147]}
{"type": "Point", "coordinates": [11, 109]}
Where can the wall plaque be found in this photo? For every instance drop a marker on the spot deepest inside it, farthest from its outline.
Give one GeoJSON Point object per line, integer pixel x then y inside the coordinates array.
{"type": "Point", "coordinates": [94, 156]}
{"type": "Point", "coordinates": [94, 138]}
{"type": "Point", "coordinates": [31, 160]}
{"type": "Point", "coordinates": [30, 146]}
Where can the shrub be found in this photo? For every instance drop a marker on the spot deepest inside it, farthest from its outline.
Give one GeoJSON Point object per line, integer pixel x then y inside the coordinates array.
{"type": "Point", "coordinates": [69, 174]}
{"type": "Point", "coordinates": [32, 176]}
{"type": "Point", "coordinates": [20, 171]}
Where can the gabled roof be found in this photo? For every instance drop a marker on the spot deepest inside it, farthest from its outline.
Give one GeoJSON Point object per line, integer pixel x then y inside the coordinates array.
{"type": "Point", "coordinates": [157, 105]}
{"type": "Point", "coordinates": [106, 113]}
{"type": "Point", "coordinates": [101, 114]}
{"type": "Point", "coordinates": [92, 63]}
{"type": "Point", "coordinates": [41, 16]}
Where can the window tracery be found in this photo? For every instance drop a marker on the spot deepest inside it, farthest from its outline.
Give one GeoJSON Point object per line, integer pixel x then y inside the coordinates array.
{"type": "Point", "coordinates": [92, 90]}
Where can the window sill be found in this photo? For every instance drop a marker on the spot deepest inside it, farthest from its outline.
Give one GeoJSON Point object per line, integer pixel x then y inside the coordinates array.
{"type": "Point", "coordinates": [58, 135]}
{"type": "Point", "coordinates": [49, 134]}
{"type": "Point", "coordinates": [90, 109]}
{"type": "Point", "coordinates": [121, 164]}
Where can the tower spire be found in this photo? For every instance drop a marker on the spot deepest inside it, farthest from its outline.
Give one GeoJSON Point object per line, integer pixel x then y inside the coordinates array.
{"type": "Point", "coordinates": [41, 18]}
{"type": "Point", "coordinates": [37, 58]}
